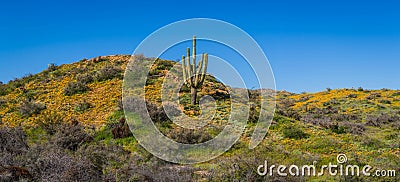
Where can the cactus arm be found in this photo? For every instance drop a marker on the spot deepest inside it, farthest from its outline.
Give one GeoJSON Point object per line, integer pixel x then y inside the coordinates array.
{"type": "Point", "coordinates": [184, 69]}
{"type": "Point", "coordinates": [205, 63]}
{"type": "Point", "coordinates": [188, 72]}
{"type": "Point", "coordinates": [198, 76]}
{"type": "Point", "coordinates": [188, 56]}
{"type": "Point", "coordinates": [194, 55]}
{"type": "Point", "coordinates": [200, 67]}
{"type": "Point", "coordinates": [204, 70]}
{"type": "Point", "coordinates": [189, 67]}
{"type": "Point", "coordinates": [199, 71]}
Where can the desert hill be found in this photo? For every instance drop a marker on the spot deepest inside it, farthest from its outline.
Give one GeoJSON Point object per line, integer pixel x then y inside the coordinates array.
{"type": "Point", "coordinates": [73, 114]}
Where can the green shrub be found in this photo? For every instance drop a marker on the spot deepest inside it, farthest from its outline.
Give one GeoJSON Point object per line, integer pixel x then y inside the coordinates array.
{"type": "Point", "coordinates": [103, 134]}
{"type": "Point", "coordinates": [385, 102]}
{"type": "Point", "coordinates": [108, 73]}
{"type": "Point", "coordinates": [75, 88]}
{"type": "Point", "coordinates": [281, 119]}
{"type": "Point", "coordinates": [70, 136]}
{"type": "Point", "coordinates": [85, 78]}
{"type": "Point", "coordinates": [29, 108]}
{"type": "Point", "coordinates": [52, 67]}
{"type": "Point", "coordinates": [120, 105]}
{"type": "Point", "coordinates": [82, 107]}
{"type": "Point", "coordinates": [352, 96]}
{"type": "Point", "coordinates": [29, 94]}
{"type": "Point", "coordinates": [338, 129]}
{"type": "Point", "coordinates": [151, 81]}
{"type": "Point", "coordinates": [76, 71]}
{"type": "Point", "coordinates": [353, 128]}
{"type": "Point", "coordinates": [58, 74]}
{"type": "Point", "coordinates": [373, 96]}
{"type": "Point", "coordinates": [396, 94]}
{"type": "Point", "coordinates": [294, 132]}
{"type": "Point", "coordinates": [156, 113]}
{"type": "Point", "coordinates": [379, 120]}
{"type": "Point", "coordinates": [13, 141]}
{"type": "Point", "coordinates": [288, 112]}
{"type": "Point", "coordinates": [14, 84]}
{"type": "Point", "coordinates": [165, 65]}
{"type": "Point", "coordinates": [188, 136]}
{"type": "Point", "coordinates": [154, 72]}
{"type": "Point", "coordinates": [392, 136]}
{"type": "Point", "coordinates": [184, 89]}
{"type": "Point", "coordinates": [372, 143]}
{"type": "Point", "coordinates": [211, 79]}
{"type": "Point", "coordinates": [114, 118]}
{"type": "Point", "coordinates": [254, 114]}
{"type": "Point", "coordinates": [50, 122]}
{"type": "Point", "coordinates": [331, 102]}
{"type": "Point", "coordinates": [3, 102]}
{"type": "Point", "coordinates": [3, 89]}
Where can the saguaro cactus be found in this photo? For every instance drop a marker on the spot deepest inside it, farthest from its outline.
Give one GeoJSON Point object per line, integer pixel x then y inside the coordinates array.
{"type": "Point", "coordinates": [194, 73]}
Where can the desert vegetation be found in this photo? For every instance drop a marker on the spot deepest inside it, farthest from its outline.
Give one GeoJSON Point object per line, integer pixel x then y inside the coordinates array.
{"type": "Point", "coordinates": [67, 124]}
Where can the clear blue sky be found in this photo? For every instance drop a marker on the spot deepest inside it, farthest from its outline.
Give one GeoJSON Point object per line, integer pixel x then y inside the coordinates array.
{"type": "Point", "coordinates": [311, 45]}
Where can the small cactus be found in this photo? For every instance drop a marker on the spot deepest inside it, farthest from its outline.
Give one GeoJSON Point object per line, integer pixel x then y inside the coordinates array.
{"type": "Point", "coordinates": [194, 73]}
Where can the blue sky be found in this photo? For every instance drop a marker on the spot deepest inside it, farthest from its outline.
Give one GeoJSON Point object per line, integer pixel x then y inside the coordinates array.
{"type": "Point", "coordinates": [311, 45]}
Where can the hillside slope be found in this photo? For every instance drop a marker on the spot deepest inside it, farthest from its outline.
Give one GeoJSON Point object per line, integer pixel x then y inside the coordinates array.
{"type": "Point", "coordinates": [307, 127]}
